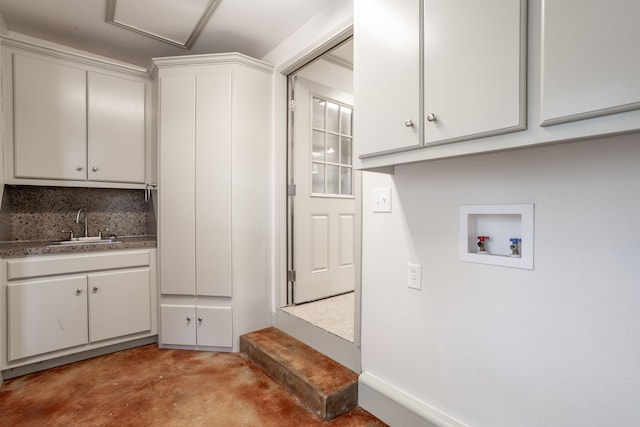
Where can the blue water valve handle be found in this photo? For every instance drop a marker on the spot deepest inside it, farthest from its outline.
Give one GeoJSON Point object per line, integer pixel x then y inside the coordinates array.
{"type": "Point", "coordinates": [515, 241]}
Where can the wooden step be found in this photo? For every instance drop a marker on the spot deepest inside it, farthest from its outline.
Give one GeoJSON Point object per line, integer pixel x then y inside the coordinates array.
{"type": "Point", "coordinates": [322, 385]}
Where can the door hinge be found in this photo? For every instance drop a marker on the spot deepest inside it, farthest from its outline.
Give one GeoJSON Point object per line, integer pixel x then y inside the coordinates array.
{"type": "Point", "coordinates": [291, 276]}
{"type": "Point", "coordinates": [292, 105]}
{"type": "Point", "coordinates": [291, 190]}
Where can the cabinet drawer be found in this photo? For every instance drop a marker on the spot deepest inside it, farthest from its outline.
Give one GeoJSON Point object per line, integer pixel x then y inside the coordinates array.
{"type": "Point", "coordinates": [66, 264]}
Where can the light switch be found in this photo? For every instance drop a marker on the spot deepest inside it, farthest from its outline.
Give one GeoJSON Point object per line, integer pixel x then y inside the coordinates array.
{"type": "Point", "coordinates": [382, 200]}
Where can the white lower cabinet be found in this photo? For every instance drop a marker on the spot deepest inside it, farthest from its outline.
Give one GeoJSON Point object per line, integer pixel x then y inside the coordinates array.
{"type": "Point", "coordinates": [184, 325]}
{"type": "Point", "coordinates": [113, 294]}
{"type": "Point", "coordinates": [46, 315]}
{"type": "Point", "coordinates": [59, 305]}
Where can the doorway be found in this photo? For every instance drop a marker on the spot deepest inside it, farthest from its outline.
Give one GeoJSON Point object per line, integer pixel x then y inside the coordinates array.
{"type": "Point", "coordinates": [323, 208]}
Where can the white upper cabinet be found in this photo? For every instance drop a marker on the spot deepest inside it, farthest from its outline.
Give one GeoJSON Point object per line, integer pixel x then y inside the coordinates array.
{"type": "Point", "coordinates": [494, 75]}
{"type": "Point", "coordinates": [73, 120]}
{"type": "Point", "coordinates": [116, 128]}
{"type": "Point", "coordinates": [435, 71]}
{"type": "Point", "coordinates": [590, 59]}
{"type": "Point", "coordinates": [213, 123]}
{"type": "Point", "coordinates": [196, 140]}
{"type": "Point", "coordinates": [387, 75]}
{"type": "Point", "coordinates": [50, 126]}
{"type": "Point", "coordinates": [474, 68]}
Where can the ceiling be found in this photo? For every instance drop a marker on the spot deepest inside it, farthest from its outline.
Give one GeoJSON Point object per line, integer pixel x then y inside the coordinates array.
{"type": "Point", "coordinates": [252, 27]}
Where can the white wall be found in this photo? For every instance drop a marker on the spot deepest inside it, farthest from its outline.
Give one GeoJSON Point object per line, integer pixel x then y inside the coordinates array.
{"type": "Point", "coordinates": [331, 19]}
{"type": "Point", "coordinates": [495, 346]}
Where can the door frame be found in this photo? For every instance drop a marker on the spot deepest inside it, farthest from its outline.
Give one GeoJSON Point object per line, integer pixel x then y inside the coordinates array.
{"type": "Point", "coordinates": [337, 348]}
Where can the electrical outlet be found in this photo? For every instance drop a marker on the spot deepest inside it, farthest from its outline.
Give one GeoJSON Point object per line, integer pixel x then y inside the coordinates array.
{"type": "Point", "coordinates": [415, 276]}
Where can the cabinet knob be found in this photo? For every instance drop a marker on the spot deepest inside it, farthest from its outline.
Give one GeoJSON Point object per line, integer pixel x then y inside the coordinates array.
{"type": "Point", "coordinates": [200, 319]}
{"type": "Point", "coordinates": [95, 169]}
{"type": "Point", "coordinates": [431, 117]}
{"type": "Point", "coordinates": [95, 289]}
{"type": "Point", "coordinates": [188, 319]}
{"type": "Point", "coordinates": [79, 168]}
{"type": "Point", "coordinates": [408, 123]}
{"type": "Point", "coordinates": [78, 291]}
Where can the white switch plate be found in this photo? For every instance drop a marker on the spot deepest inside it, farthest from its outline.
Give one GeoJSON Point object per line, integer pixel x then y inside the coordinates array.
{"type": "Point", "coordinates": [415, 276]}
{"type": "Point", "coordinates": [382, 200]}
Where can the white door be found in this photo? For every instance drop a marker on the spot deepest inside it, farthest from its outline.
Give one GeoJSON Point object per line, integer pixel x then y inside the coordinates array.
{"type": "Point", "coordinates": [327, 188]}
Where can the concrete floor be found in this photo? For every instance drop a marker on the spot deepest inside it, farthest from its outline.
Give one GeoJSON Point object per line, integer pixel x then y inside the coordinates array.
{"type": "Point", "coordinates": [147, 386]}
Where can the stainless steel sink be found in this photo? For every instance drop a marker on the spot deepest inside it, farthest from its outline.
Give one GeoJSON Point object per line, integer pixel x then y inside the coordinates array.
{"type": "Point", "coordinates": [84, 241]}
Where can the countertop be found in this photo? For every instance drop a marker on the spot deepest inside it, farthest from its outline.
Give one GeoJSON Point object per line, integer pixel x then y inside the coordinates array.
{"type": "Point", "coordinates": [22, 248]}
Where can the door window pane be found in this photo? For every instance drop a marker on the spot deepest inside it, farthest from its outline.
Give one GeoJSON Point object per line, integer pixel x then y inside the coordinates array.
{"type": "Point", "coordinates": [345, 120]}
{"type": "Point", "coordinates": [333, 179]}
{"type": "Point", "coordinates": [331, 148]}
{"type": "Point", "coordinates": [345, 180]}
{"type": "Point", "coordinates": [317, 109]}
{"type": "Point", "coordinates": [317, 178]}
{"type": "Point", "coordinates": [317, 149]}
{"type": "Point", "coordinates": [333, 117]}
{"type": "Point", "coordinates": [345, 151]}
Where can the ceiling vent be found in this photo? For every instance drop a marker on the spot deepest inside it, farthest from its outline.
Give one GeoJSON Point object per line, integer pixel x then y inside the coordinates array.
{"type": "Point", "coordinates": [177, 23]}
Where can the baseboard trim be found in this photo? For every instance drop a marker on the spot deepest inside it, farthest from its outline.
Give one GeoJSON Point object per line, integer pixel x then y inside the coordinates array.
{"type": "Point", "coordinates": [19, 371]}
{"type": "Point", "coordinates": [396, 407]}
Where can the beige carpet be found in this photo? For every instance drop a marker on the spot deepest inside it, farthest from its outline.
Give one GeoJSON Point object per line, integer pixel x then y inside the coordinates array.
{"type": "Point", "coordinates": [335, 314]}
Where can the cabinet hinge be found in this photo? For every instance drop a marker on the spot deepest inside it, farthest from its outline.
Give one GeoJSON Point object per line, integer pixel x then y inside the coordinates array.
{"type": "Point", "coordinates": [291, 276]}
{"type": "Point", "coordinates": [292, 105]}
{"type": "Point", "coordinates": [291, 190]}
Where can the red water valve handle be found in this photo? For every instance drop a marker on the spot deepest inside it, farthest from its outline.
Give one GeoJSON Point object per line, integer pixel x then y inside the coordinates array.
{"type": "Point", "coordinates": [483, 238]}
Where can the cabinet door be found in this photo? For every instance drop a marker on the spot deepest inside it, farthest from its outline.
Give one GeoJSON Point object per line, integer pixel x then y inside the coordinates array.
{"type": "Point", "coordinates": [474, 68]}
{"type": "Point", "coordinates": [119, 304]}
{"type": "Point", "coordinates": [213, 185]}
{"type": "Point", "coordinates": [116, 129]}
{"type": "Point", "coordinates": [176, 186]}
{"type": "Point", "coordinates": [50, 120]}
{"type": "Point", "coordinates": [177, 324]}
{"type": "Point", "coordinates": [46, 315]}
{"type": "Point", "coordinates": [214, 326]}
{"type": "Point", "coordinates": [590, 61]}
{"type": "Point", "coordinates": [386, 76]}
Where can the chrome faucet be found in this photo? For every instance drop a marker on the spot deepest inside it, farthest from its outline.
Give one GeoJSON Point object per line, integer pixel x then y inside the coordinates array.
{"type": "Point", "coordinates": [86, 222]}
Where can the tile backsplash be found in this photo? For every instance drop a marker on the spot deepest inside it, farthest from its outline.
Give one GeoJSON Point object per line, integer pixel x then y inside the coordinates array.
{"type": "Point", "coordinates": [43, 213]}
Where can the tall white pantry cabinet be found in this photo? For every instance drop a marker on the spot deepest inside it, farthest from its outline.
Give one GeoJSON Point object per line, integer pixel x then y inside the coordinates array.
{"type": "Point", "coordinates": [213, 132]}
